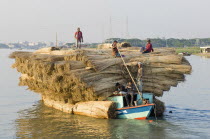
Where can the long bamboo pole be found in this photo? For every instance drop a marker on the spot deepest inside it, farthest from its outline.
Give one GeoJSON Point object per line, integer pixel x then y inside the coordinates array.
{"type": "Point", "coordinates": [141, 96]}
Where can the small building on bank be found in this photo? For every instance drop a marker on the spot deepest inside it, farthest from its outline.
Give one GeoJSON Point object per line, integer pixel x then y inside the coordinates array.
{"type": "Point", "coordinates": [205, 49]}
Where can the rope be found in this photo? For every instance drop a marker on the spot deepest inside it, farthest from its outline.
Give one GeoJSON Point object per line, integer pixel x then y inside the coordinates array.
{"type": "Point", "coordinates": [141, 96]}
{"type": "Point", "coordinates": [155, 112]}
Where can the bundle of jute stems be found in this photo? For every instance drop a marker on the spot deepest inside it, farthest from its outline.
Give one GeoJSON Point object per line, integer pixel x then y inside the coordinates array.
{"type": "Point", "coordinates": [75, 76]}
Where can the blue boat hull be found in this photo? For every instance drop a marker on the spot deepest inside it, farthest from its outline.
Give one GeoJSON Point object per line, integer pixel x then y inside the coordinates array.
{"type": "Point", "coordinates": [136, 112]}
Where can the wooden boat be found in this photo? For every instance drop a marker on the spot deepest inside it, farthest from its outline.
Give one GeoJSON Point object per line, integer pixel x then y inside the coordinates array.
{"type": "Point", "coordinates": [140, 111]}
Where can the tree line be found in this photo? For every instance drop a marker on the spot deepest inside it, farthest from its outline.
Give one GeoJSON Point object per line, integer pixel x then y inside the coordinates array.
{"type": "Point", "coordinates": [158, 42]}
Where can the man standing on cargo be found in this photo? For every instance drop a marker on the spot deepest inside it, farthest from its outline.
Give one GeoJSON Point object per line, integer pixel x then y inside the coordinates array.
{"type": "Point", "coordinates": [79, 38]}
{"type": "Point", "coordinates": [148, 47]}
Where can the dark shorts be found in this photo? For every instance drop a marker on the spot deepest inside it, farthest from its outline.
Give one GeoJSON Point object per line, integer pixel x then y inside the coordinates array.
{"type": "Point", "coordinates": [146, 52]}
{"type": "Point", "coordinates": [117, 55]}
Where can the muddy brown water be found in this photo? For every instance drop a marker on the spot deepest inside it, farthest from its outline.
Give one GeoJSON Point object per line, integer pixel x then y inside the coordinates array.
{"type": "Point", "coordinates": [23, 115]}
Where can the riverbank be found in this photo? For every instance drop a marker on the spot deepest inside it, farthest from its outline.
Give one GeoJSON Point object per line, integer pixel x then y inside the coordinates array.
{"type": "Point", "coordinates": [206, 55]}
{"type": "Point", "coordinates": [190, 50]}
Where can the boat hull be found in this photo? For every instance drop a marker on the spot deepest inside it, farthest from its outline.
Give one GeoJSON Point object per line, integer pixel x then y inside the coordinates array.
{"type": "Point", "coordinates": [138, 112]}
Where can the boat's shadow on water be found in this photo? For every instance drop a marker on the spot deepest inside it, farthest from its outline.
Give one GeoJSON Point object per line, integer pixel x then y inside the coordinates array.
{"type": "Point", "coordinates": [44, 122]}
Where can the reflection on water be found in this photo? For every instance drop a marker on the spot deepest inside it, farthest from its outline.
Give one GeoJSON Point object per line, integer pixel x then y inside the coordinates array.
{"type": "Point", "coordinates": [22, 115]}
{"type": "Point", "coordinates": [42, 121]}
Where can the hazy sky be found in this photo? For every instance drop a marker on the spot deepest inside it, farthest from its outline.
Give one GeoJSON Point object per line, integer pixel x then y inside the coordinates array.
{"type": "Point", "coordinates": [39, 20]}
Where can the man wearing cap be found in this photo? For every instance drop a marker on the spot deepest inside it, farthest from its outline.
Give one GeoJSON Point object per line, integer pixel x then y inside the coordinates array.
{"type": "Point", "coordinates": [148, 47]}
{"type": "Point", "coordinates": [79, 38]}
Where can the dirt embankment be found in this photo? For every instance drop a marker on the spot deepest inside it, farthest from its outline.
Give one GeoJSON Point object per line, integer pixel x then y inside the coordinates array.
{"type": "Point", "coordinates": [206, 55]}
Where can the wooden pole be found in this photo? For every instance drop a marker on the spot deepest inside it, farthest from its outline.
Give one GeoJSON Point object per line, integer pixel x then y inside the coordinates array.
{"type": "Point", "coordinates": [141, 96]}
{"type": "Point", "coordinates": [56, 39]}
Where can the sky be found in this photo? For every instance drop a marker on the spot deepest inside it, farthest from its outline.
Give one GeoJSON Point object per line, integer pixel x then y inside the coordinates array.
{"type": "Point", "coordinates": [39, 20]}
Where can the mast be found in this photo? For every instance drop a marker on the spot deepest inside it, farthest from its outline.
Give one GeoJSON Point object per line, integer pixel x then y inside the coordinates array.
{"type": "Point", "coordinates": [56, 41]}
{"type": "Point", "coordinates": [110, 27]}
{"type": "Point", "coordinates": [126, 28]}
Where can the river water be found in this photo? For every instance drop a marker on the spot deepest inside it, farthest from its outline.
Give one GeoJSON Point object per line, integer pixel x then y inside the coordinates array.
{"type": "Point", "coordinates": [23, 115]}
